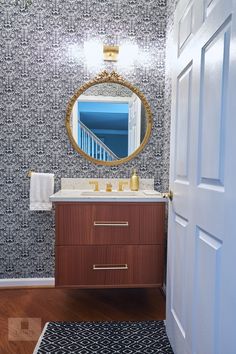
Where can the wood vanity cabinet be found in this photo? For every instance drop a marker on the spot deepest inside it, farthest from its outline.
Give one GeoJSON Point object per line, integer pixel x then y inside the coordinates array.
{"type": "Point", "coordinates": [106, 245]}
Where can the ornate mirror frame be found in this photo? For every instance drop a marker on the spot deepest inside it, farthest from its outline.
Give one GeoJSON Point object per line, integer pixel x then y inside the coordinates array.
{"type": "Point", "coordinates": [112, 77]}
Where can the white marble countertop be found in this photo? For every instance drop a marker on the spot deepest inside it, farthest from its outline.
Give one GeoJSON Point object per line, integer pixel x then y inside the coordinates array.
{"type": "Point", "coordinates": [73, 195]}
{"type": "Point", "coordinates": [79, 190]}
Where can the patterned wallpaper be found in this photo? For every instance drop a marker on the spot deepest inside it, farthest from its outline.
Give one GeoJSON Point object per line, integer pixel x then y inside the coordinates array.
{"type": "Point", "coordinates": [108, 89]}
{"type": "Point", "coordinates": [39, 73]}
{"type": "Point", "coordinates": [170, 7]}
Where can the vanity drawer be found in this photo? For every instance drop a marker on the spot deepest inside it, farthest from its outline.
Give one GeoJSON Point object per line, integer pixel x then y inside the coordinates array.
{"type": "Point", "coordinates": [115, 224]}
{"type": "Point", "coordinates": [109, 223]}
{"type": "Point", "coordinates": [109, 266]}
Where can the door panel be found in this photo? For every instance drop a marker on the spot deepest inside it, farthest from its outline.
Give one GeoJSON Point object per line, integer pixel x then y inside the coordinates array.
{"type": "Point", "coordinates": [214, 85]}
{"type": "Point", "coordinates": [209, 6]}
{"type": "Point", "coordinates": [184, 88]}
{"type": "Point", "coordinates": [208, 279]}
{"type": "Point", "coordinates": [189, 20]}
{"type": "Point", "coordinates": [186, 26]}
{"type": "Point", "coordinates": [178, 300]}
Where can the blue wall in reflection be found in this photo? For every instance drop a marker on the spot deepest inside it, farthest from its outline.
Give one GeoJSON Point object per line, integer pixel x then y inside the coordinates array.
{"type": "Point", "coordinates": [109, 122]}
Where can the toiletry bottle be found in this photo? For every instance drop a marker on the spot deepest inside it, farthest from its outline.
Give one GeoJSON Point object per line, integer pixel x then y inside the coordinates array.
{"type": "Point", "coordinates": [134, 181]}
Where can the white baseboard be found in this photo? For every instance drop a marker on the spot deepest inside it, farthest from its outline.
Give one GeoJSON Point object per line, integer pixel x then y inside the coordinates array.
{"type": "Point", "coordinates": [26, 282]}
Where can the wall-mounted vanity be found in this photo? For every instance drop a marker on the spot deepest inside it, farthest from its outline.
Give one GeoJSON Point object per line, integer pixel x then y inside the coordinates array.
{"type": "Point", "coordinates": [106, 240]}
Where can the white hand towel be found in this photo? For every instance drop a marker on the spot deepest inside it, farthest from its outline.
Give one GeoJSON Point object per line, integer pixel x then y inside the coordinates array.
{"type": "Point", "coordinates": [41, 187]}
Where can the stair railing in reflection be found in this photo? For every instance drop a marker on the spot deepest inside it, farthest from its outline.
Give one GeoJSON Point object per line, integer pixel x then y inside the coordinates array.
{"type": "Point", "coordinates": [92, 145]}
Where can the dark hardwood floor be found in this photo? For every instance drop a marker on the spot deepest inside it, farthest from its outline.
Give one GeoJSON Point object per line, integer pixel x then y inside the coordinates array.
{"type": "Point", "coordinates": [75, 305]}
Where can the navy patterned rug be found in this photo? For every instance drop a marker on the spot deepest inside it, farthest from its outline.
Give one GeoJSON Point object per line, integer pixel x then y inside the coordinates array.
{"type": "Point", "coordinates": [104, 338]}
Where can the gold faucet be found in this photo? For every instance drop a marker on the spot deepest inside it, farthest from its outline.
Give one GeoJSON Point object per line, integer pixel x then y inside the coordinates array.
{"type": "Point", "coordinates": [121, 184]}
{"type": "Point", "coordinates": [96, 188]}
{"type": "Point", "coordinates": [108, 187]}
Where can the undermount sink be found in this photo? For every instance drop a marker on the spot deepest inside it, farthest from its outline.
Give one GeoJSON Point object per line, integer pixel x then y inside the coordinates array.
{"type": "Point", "coordinates": [111, 194]}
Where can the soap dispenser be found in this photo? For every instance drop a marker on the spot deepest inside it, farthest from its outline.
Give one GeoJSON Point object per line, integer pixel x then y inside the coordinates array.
{"type": "Point", "coordinates": [134, 181]}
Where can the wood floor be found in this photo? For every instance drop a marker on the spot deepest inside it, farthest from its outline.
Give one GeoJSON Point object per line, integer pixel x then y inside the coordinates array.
{"type": "Point", "coordinates": [75, 305]}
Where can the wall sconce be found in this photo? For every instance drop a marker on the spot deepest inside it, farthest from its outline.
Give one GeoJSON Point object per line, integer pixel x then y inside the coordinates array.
{"type": "Point", "coordinates": [96, 53]}
{"type": "Point", "coordinates": [110, 53]}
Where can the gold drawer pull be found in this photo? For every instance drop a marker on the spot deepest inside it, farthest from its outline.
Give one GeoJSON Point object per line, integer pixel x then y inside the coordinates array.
{"type": "Point", "coordinates": [110, 266]}
{"type": "Point", "coordinates": [111, 223]}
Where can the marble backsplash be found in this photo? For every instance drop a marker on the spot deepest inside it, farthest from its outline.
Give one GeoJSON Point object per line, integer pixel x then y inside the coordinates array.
{"type": "Point", "coordinates": [83, 183]}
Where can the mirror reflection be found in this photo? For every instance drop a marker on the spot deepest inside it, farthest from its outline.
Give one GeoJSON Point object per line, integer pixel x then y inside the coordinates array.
{"type": "Point", "coordinates": [108, 122]}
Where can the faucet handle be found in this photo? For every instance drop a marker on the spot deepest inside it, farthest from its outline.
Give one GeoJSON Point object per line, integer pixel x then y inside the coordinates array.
{"type": "Point", "coordinates": [108, 187]}
{"type": "Point", "coordinates": [96, 188]}
{"type": "Point", "coordinates": [121, 184]}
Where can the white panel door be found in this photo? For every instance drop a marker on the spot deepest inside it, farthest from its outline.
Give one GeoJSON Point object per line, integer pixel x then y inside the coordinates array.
{"type": "Point", "coordinates": [201, 284]}
{"type": "Point", "coordinates": [134, 124]}
{"type": "Point", "coordinates": [74, 121]}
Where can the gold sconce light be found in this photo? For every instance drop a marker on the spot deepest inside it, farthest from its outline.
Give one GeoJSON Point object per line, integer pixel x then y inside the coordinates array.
{"type": "Point", "coordinates": [110, 53]}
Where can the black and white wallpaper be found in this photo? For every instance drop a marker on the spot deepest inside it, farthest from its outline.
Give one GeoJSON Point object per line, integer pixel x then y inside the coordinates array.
{"type": "Point", "coordinates": [108, 89]}
{"type": "Point", "coordinates": [39, 72]}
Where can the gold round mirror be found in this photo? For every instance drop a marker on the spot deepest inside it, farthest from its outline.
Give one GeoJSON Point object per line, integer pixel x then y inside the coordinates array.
{"type": "Point", "coordinates": [108, 120]}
